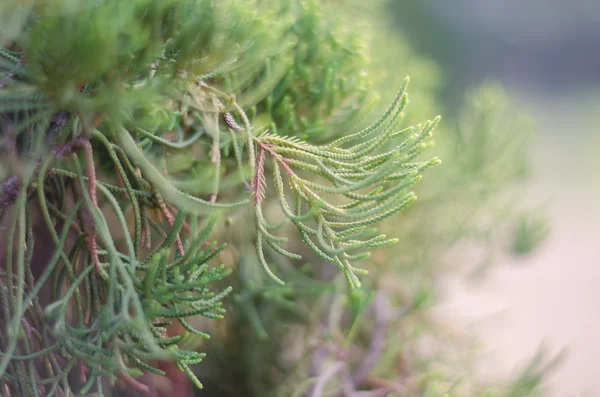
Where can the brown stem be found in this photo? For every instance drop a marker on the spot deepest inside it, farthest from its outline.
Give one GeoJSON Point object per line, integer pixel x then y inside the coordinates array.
{"type": "Point", "coordinates": [67, 150]}
{"type": "Point", "coordinates": [280, 159]}
{"type": "Point", "coordinates": [185, 225]}
{"type": "Point", "coordinates": [170, 220]}
{"type": "Point", "coordinates": [257, 187]}
{"type": "Point", "coordinates": [82, 372]}
{"type": "Point", "coordinates": [137, 385]}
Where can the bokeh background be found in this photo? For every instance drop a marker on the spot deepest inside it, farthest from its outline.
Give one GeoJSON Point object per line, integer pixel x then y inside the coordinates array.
{"type": "Point", "coordinates": [546, 53]}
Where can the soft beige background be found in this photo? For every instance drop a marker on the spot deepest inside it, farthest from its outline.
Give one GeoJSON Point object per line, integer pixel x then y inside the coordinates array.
{"type": "Point", "coordinates": [552, 296]}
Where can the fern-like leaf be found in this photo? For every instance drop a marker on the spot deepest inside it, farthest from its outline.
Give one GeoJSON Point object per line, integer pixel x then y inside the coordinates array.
{"type": "Point", "coordinates": [374, 184]}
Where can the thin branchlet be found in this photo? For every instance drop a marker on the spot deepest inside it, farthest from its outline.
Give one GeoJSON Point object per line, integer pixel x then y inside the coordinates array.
{"type": "Point", "coordinates": [369, 170]}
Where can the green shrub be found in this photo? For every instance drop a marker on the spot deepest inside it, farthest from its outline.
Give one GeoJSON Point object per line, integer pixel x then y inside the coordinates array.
{"type": "Point", "coordinates": [168, 163]}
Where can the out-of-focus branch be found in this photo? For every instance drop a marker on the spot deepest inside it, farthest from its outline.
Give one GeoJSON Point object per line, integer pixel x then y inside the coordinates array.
{"type": "Point", "coordinates": [383, 316]}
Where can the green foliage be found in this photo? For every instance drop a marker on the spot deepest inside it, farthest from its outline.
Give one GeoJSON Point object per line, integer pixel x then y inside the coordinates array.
{"type": "Point", "coordinates": [530, 231]}
{"type": "Point", "coordinates": [349, 170]}
{"type": "Point", "coordinates": [131, 127]}
{"type": "Point", "coordinates": [108, 83]}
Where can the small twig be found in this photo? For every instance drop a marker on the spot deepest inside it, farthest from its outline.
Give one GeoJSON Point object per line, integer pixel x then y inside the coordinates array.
{"type": "Point", "coordinates": [280, 159]}
{"type": "Point", "coordinates": [146, 237]}
{"type": "Point", "coordinates": [170, 220]}
{"type": "Point", "coordinates": [185, 225]}
{"type": "Point", "coordinates": [82, 372]}
{"type": "Point", "coordinates": [67, 150]}
{"type": "Point", "coordinates": [7, 392]}
{"type": "Point", "coordinates": [137, 385]}
{"type": "Point", "coordinates": [91, 171]}
{"type": "Point", "coordinates": [257, 188]}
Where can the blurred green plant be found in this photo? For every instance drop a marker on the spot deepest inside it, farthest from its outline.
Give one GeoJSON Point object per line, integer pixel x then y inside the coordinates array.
{"type": "Point", "coordinates": [138, 138]}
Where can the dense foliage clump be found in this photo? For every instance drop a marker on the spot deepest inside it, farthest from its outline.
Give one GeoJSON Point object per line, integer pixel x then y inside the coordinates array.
{"type": "Point", "coordinates": [165, 160]}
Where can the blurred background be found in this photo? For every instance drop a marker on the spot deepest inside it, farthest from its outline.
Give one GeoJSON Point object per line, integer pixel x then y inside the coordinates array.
{"type": "Point", "coordinates": [547, 55]}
